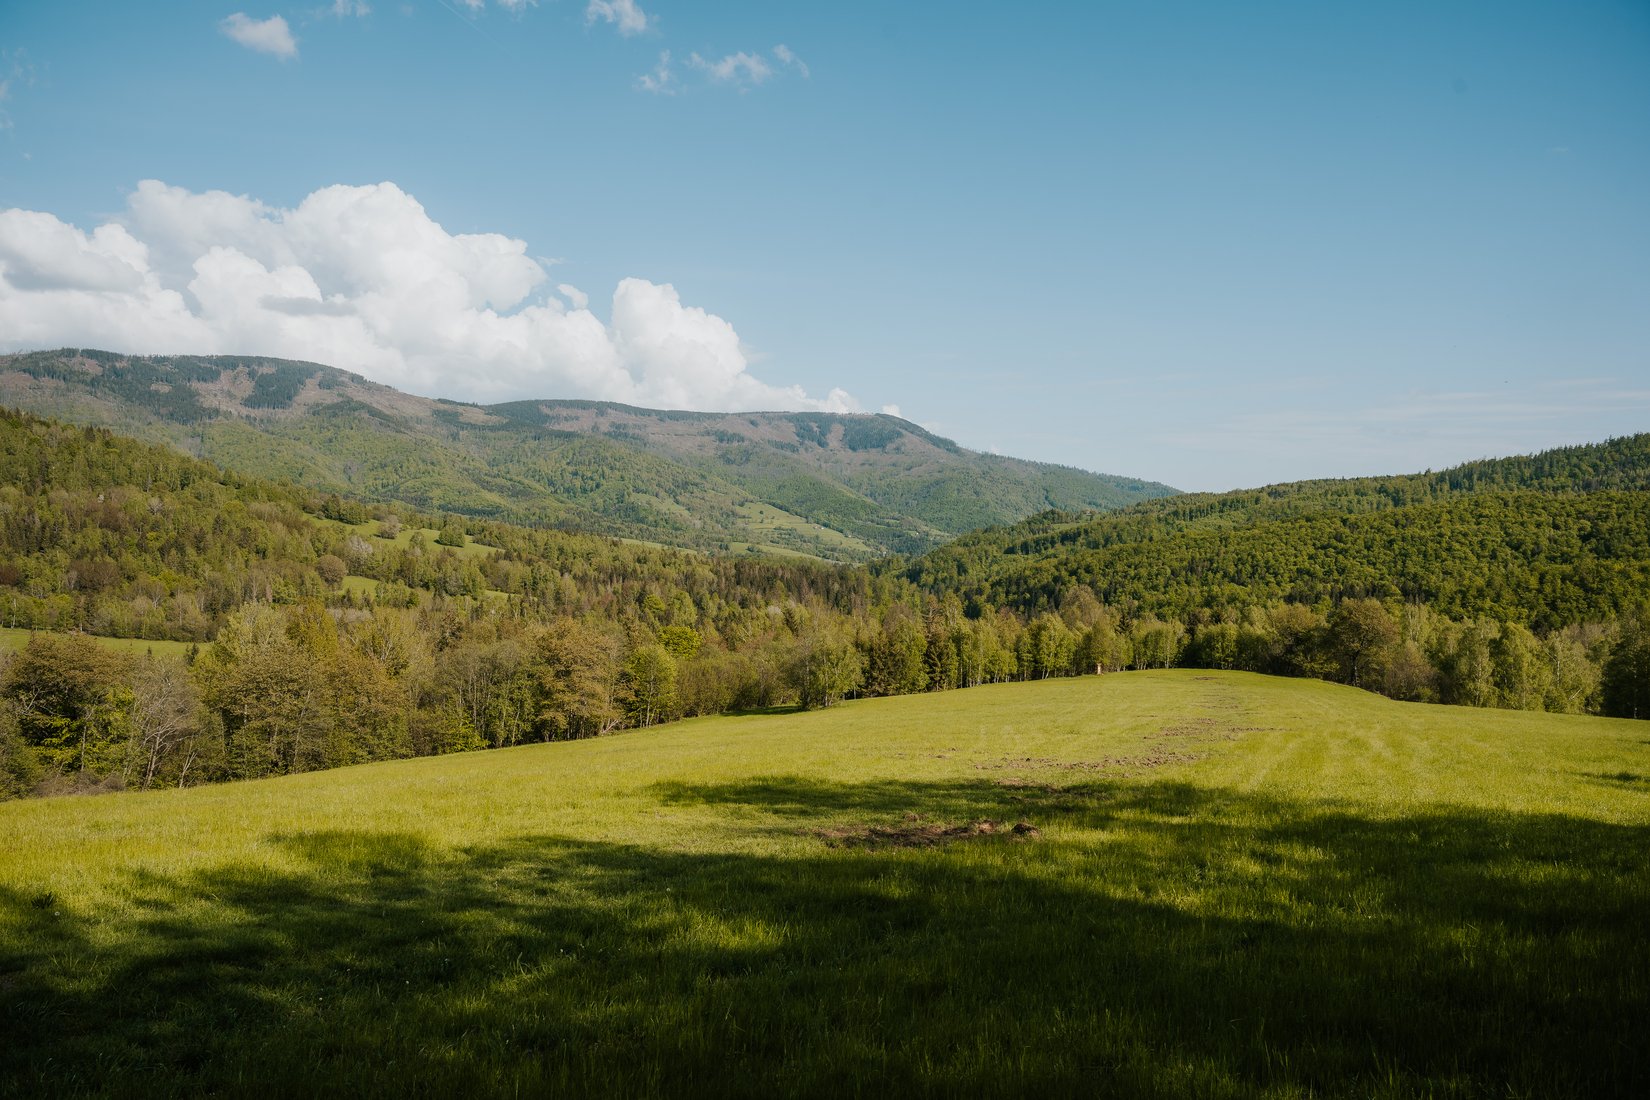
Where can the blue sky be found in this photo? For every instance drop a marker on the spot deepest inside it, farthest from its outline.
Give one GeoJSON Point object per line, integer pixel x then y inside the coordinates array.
{"type": "Point", "coordinates": [1211, 244]}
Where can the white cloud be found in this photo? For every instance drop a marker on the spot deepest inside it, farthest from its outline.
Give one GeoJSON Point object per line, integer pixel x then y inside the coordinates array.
{"type": "Point", "coordinates": [623, 14]}
{"type": "Point", "coordinates": [742, 70]}
{"type": "Point", "coordinates": [362, 278]}
{"type": "Point", "coordinates": [786, 57]}
{"type": "Point", "coordinates": [736, 68]}
{"type": "Point", "coordinates": [892, 410]}
{"type": "Point", "coordinates": [271, 36]}
{"type": "Point", "coordinates": [661, 81]}
{"type": "Point", "coordinates": [343, 9]}
{"type": "Point", "coordinates": [41, 253]}
{"type": "Point", "coordinates": [517, 6]}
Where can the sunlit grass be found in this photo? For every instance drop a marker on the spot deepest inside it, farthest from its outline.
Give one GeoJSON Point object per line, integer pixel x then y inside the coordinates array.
{"type": "Point", "coordinates": [13, 639]}
{"type": "Point", "coordinates": [1237, 886]}
{"type": "Point", "coordinates": [404, 536]}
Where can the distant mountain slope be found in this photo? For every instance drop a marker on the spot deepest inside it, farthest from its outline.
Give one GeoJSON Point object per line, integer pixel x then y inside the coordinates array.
{"type": "Point", "coordinates": [1547, 539]}
{"type": "Point", "coordinates": [841, 487]}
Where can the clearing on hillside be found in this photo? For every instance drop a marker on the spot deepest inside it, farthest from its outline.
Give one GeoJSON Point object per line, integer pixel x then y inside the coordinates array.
{"type": "Point", "coordinates": [1225, 885]}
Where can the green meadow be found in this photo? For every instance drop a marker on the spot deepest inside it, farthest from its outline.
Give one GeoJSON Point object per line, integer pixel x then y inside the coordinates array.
{"type": "Point", "coordinates": [403, 538]}
{"type": "Point", "coordinates": [1156, 884]}
{"type": "Point", "coordinates": [13, 639]}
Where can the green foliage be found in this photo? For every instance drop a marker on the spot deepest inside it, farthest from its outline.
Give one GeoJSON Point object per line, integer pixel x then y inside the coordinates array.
{"type": "Point", "coordinates": [649, 680]}
{"type": "Point", "coordinates": [1547, 541]}
{"type": "Point", "coordinates": [861, 434]}
{"type": "Point", "coordinates": [71, 709]}
{"type": "Point", "coordinates": [578, 681]}
{"type": "Point", "coordinates": [1361, 638]}
{"type": "Point", "coordinates": [1626, 680]}
{"type": "Point", "coordinates": [895, 660]}
{"type": "Point", "coordinates": [813, 428]}
{"type": "Point", "coordinates": [274, 387]}
{"type": "Point", "coordinates": [681, 642]}
{"type": "Point", "coordinates": [337, 632]}
{"type": "Point", "coordinates": [825, 668]}
{"type": "Point", "coordinates": [19, 761]}
{"type": "Point", "coordinates": [161, 384]}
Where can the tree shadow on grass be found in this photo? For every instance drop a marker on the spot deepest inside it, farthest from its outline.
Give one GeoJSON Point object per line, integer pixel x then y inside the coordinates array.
{"type": "Point", "coordinates": [1160, 940]}
{"type": "Point", "coordinates": [789, 797]}
{"type": "Point", "coordinates": [766, 712]}
{"type": "Point", "coordinates": [1625, 780]}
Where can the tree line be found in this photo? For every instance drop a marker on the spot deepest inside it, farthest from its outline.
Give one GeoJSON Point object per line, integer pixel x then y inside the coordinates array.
{"type": "Point", "coordinates": [305, 686]}
{"type": "Point", "coordinates": [322, 635]}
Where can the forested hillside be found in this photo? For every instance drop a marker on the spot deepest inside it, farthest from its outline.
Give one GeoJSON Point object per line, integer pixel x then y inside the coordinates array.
{"type": "Point", "coordinates": [1548, 541]}
{"type": "Point", "coordinates": [837, 487]}
{"type": "Point", "coordinates": [318, 630]}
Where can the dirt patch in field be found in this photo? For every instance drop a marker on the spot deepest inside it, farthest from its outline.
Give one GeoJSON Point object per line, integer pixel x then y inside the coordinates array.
{"type": "Point", "coordinates": [1204, 729]}
{"type": "Point", "coordinates": [1157, 758]}
{"type": "Point", "coordinates": [916, 832]}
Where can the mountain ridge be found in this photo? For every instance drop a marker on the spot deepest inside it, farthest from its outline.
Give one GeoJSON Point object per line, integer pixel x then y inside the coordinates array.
{"type": "Point", "coordinates": [838, 486]}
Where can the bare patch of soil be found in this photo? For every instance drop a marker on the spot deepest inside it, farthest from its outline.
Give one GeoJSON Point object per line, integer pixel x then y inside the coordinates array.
{"type": "Point", "coordinates": [915, 832]}
{"type": "Point", "coordinates": [1124, 765]}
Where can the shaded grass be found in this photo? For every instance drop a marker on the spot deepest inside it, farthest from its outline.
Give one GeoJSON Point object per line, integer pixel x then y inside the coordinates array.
{"type": "Point", "coordinates": [1340, 896]}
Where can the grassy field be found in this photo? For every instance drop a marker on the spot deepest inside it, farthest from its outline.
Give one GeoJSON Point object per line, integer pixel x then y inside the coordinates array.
{"type": "Point", "coordinates": [13, 639]}
{"type": "Point", "coordinates": [1156, 884]}
{"type": "Point", "coordinates": [765, 524]}
{"type": "Point", "coordinates": [404, 537]}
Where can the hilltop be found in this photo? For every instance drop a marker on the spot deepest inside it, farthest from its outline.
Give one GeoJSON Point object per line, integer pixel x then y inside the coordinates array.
{"type": "Point", "coordinates": [1546, 540]}
{"type": "Point", "coordinates": [835, 486]}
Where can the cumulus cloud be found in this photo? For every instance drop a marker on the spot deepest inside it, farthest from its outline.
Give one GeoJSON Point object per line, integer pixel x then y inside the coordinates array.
{"type": "Point", "coordinates": [271, 36]}
{"type": "Point", "coordinates": [623, 14]}
{"type": "Point", "coordinates": [364, 279]}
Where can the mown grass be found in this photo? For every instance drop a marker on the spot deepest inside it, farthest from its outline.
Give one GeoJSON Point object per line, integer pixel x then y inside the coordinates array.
{"type": "Point", "coordinates": [1239, 887]}
{"type": "Point", "coordinates": [13, 639]}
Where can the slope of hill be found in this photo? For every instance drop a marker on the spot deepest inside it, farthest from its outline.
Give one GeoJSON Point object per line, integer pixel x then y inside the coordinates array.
{"type": "Point", "coordinates": [833, 486]}
{"type": "Point", "coordinates": [1149, 884]}
{"type": "Point", "coordinates": [322, 631]}
{"type": "Point", "coordinates": [1547, 540]}
{"type": "Point", "coordinates": [111, 536]}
